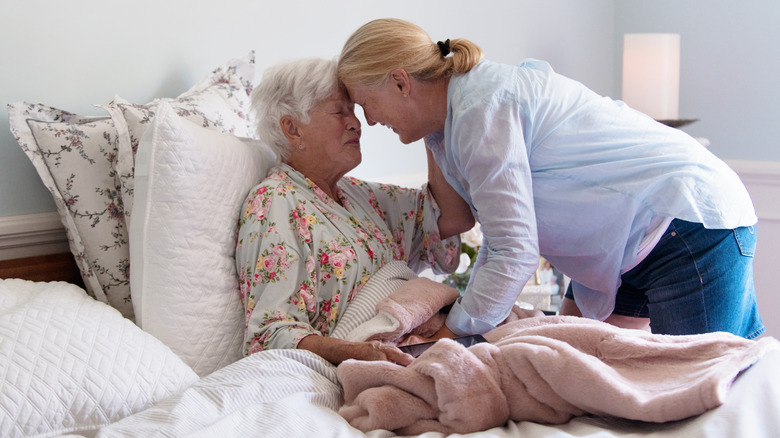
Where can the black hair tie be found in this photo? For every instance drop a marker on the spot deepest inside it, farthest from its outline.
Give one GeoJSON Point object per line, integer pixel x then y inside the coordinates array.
{"type": "Point", "coordinates": [444, 47]}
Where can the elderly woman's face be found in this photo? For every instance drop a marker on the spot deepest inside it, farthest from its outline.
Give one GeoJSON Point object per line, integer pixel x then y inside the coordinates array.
{"type": "Point", "coordinates": [332, 137]}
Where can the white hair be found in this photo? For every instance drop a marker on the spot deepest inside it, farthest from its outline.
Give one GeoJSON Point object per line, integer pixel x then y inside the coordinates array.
{"type": "Point", "coordinates": [290, 88]}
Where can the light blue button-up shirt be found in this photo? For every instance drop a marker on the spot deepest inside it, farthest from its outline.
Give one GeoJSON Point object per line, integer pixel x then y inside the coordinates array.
{"type": "Point", "coordinates": [549, 167]}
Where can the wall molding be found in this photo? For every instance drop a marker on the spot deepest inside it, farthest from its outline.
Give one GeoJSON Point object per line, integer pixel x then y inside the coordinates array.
{"type": "Point", "coordinates": [43, 233]}
{"type": "Point", "coordinates": [32, 235]}
{"type": "Point", "coordinates": [762, 179]}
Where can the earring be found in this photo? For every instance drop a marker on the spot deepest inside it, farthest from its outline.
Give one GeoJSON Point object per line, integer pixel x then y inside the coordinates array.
{"type": "Point", "coordinates": [300, 146]}
{"type": "Point", "coordinates": [405, 95]}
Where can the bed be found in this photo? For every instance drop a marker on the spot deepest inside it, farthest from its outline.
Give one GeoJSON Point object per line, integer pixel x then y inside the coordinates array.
{"type": "Point", "coordinates": [154, 350]}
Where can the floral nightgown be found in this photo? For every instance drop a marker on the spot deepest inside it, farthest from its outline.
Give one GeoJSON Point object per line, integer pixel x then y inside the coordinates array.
{"type": "Point", "coordinates": [302, 257]}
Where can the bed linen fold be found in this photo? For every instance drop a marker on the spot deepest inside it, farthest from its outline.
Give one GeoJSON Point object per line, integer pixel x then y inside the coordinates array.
{"type": "Point", "coordinates": [259, 394]}
{"type": "Point", "coordinates": [395, 303]}
{"type": "Point", "coordinates": [545, 369]}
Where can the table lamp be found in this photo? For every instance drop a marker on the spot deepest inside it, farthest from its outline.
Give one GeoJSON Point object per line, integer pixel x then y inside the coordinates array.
{"type": "Point", "coordinates": [651, 75]}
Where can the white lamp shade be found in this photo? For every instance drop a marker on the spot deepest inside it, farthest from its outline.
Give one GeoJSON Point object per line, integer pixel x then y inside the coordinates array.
{"type": "Point", "coordinates": [651, 74]}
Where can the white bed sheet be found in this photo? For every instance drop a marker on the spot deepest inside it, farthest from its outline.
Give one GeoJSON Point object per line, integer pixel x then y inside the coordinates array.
{"type": "Point", "coordinates": [295, 393]}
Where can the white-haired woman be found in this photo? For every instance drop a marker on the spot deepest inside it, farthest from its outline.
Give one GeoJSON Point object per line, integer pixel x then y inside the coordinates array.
{"type": "Point", "coordinates": [310, 237]}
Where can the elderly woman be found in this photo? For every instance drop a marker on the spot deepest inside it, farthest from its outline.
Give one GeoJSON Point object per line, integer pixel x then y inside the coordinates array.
{"type": "Point", "coordinates": [310, 237]}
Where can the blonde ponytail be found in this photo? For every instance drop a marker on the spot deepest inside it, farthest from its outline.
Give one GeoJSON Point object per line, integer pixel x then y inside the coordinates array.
{"type": "Point", "coordinates": [465, 55]}
{"type": "Point", "coordinates": [385, 44]}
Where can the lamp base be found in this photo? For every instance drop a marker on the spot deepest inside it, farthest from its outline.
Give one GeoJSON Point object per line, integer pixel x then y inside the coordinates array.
{"type": "Point", "coordinates": [677, 123]}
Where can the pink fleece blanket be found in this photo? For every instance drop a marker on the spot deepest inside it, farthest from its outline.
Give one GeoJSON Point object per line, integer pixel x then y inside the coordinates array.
{"type": "Point", "coordinates": [547, 369]}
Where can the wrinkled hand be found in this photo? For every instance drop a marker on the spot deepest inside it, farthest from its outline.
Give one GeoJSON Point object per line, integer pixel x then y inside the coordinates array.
{"type": "Point", "coordinates": [375, 350]}
{"type": "Point", "coordinates": [336, 350]}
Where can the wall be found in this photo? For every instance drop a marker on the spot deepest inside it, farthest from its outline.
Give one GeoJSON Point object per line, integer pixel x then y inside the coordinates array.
{"type": "Point", "coordinates": [729, 68]}
{"type": "Point", "coordinates": [71, 55]}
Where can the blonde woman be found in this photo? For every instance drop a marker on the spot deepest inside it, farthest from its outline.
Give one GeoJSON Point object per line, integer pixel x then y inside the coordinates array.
{"type": "Point", "coordinates": [649, 225]}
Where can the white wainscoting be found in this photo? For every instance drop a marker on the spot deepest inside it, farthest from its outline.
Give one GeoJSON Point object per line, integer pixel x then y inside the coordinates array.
{"type": "Point", "coordinates": [32, 235]}
{"type": "Point", "coordinates": [39, 234]}
{"type": "Point", "coordinates": [762, 179]}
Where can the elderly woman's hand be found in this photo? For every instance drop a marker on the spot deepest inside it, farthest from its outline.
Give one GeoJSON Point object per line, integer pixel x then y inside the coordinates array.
{"type": "Point", "coordinates": [336, 350]}
{"type": "Point", "coordinates": [375, 350]}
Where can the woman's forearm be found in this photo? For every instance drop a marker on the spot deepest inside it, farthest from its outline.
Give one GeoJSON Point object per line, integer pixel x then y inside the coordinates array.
{"type": "Point", "coordinates": [455, 217]}
{"type": "Point", "coordinates": [336, 351]}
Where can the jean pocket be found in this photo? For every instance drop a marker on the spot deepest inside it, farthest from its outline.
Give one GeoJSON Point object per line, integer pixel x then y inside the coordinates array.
{"type": "Point", "coordinates": [746, 240]}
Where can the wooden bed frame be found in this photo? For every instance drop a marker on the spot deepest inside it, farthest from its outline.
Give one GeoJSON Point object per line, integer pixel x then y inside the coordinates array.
{"type": "Point", "coordinates": [52, 267]}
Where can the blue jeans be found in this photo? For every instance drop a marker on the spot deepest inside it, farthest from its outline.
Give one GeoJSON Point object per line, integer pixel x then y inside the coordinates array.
{"type": "Point", "coordinates": [695, 280]}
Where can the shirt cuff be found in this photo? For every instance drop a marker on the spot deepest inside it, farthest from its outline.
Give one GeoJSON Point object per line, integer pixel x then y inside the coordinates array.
{"type": "Point", "coordinates": [462, 324]}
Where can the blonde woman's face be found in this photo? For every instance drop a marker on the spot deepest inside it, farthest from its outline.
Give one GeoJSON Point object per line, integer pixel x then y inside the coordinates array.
{"type": "Point", "coordinates": [386, 105]}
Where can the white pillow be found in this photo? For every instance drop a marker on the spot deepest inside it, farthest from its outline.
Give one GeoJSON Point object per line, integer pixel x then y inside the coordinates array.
{"type": "Point", "coordinates": [220, 101]}
{"type": "Point", "coordinates": [70, 363]}
{"type": "Point", "coordinates": [189, 185]}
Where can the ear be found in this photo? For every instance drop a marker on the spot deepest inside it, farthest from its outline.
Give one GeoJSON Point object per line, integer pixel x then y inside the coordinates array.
{"type": "Point", "coordinates": [400, 80]}
{"type": "Point", "coordinates": [290, 130]}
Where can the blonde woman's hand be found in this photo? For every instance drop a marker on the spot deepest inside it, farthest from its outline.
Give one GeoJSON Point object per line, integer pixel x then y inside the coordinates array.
{"type": "Point", "coordinates": [444, 332]}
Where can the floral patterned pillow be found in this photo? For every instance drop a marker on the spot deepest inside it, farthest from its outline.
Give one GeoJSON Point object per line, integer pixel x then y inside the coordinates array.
{"type": "Point", "coordinates": [87, 165]}
{"type": "Point", "coordinates": [75, 157]}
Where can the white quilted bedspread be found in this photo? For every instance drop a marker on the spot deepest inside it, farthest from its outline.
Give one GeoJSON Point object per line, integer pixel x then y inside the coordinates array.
{"type": "Point", "coordinates": [69, 363]}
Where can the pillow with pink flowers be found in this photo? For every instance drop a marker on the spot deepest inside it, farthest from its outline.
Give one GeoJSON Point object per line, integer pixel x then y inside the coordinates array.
{"type": "Point", "coordinates": [87, 164]}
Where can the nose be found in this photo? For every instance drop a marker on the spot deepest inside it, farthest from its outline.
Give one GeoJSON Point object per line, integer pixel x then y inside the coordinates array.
{"type": "Point", "coordinates": [354, 124]}
{"type": "Point", "coordinates": [369, 120]}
